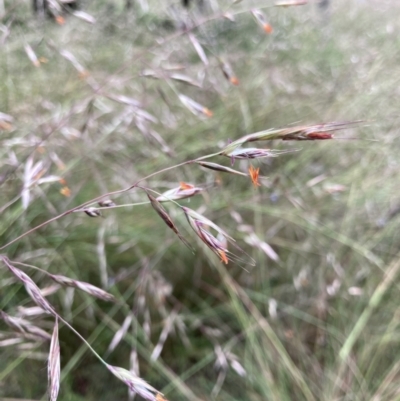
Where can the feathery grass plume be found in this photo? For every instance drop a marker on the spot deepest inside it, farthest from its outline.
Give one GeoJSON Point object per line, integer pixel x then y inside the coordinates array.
{"type": "Point", "coordinates": [165, 216]}
{"type": "Point", "coordinates": [23, 326]}
{"type": "Point", "coordinates": [183, 191]}
{"type": "Point", "coordinates": [196, 108]}
{"type": "Point", "coordinates": [200, 220]}
{"type": "Point", "coordinates": [298, 133]}
{"type": "Point", "coordinates": [53, 367]}
{"type": "Point", "coordinates": [219, 167]}
{"type": "Point", "coordinates": [318, 131]}
{"type": "Point", "coordinates": [260, 18]}
{"type": "Point", "coordinates": [89, 288]}
{"type": "Point", "coordinates": [136, 384]}
{"type": "Point", "coordinates": [218, 246]}
{"type": "Point", "coordinates": [31, 288]}
{"type": "Point", "coordinates": [315, 132]}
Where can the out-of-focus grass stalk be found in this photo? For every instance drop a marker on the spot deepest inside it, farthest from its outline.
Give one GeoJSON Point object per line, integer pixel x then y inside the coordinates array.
{"type": "Point", "coordinates": [237, 293]}
{"type": "Point", "coordinates": [373, 303]}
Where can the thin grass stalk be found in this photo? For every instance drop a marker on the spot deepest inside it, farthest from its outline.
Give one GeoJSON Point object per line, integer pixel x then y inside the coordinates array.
{"type": "Point", "coordinates": [384, 343]}
{"type": "Point", "coordinates": [373, 303]}
{"type": "Point", "coordinates": [322, 230]}
{"type": "Point", "coordinates": [236, 292]}
{"type": "Point", "coordinates": [389, 379]}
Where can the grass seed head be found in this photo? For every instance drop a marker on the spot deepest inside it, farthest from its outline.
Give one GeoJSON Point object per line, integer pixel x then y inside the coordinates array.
{"type": "Point", "coordinates": [262, 21]}
{"type": "Point", "coordinates": [106, 203]}
{"type": "Point", "coordinates": [199, 224]}
{"type": "Point", "coordinates": [183, 191]}
{"type": "Point", "coordinates": [86, 287]}
{"type": "Point", "coordinates": [31, 288]}
{"type": "Point", "coordinates": [214, 244]}
{"type": "Point", "coordinates": [135, 383]}
{"type": "Point", "coordinates": [165, 216]}
{"type": "Point", "coordinates": [196, 218]}
{"type": "Point", "coordinates": [24, 326]}
{"type": "Point", "coordinates": [194, 107]}
{"type": "Point", "coordinates": [162, 212]}
{"type": "Point", "coordinates": [251, 153]}
{"type": "Point", "coordinates": [92, 212]}
{"type": "Point", "coordinates": [53, 367]}
{"type": "Point", "coordinates": [219, 167]}
{"type": "Point", "coordinates": [228, 73]}
{"type": "Point", "coordinates": [304, 132]}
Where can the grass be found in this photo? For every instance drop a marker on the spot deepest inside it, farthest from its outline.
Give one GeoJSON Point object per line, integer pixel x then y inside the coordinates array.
{"type": "Point", "coordinates": [335, 331]}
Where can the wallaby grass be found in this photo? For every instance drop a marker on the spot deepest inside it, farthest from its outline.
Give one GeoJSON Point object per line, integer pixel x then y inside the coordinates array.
{"type": "Point", "coordinates": [312, 69]}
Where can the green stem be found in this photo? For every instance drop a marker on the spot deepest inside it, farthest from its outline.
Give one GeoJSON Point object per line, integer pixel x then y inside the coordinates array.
{"type": "Point", "coordinates": [373, 303]}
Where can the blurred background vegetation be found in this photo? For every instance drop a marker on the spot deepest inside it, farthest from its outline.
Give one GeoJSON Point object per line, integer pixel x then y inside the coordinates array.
{"type": "Point", "coordinates": [97, 103]}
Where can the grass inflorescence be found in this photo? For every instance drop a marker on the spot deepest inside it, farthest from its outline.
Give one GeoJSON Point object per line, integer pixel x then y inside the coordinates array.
{"type": "Point", "coordinates": [120, 146]}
